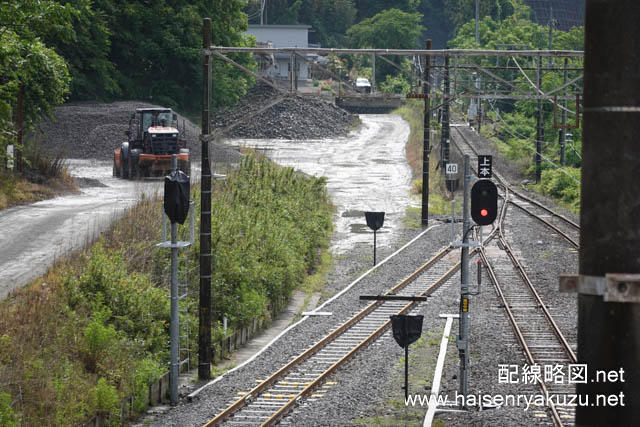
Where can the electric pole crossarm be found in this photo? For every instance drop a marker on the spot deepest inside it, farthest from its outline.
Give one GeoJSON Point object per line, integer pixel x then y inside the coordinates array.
{"type": "Point", "coordinates": [406, 52]}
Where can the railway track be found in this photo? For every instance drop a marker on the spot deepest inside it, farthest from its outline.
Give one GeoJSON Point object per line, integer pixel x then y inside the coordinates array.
{"type": "Point", "coordinates": [540, 337]}
{"type": "Point", "coordinates": [295, 383]}
{"type": "Point", "coordinates": [302, 379]}
{"type": "Point", "coordinates": [542, 341]}
{"type": "Point", "coordinates": [560, 224]}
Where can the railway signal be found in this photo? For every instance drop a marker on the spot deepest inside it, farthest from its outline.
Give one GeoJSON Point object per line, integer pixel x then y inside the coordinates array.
{"type": "Point", "coordinates": [375, 221]}
{"type": "Point", "coordinates": [484, 202]}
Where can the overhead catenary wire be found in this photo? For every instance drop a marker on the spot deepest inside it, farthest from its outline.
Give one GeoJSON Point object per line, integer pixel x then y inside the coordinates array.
{"type": "Point", "coordinates": [545, 158]}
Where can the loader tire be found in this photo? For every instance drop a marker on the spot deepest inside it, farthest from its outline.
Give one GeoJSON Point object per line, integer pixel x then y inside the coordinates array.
{"type": "Point", "coordinates": [124, 167]}
{"type": "Point", "coordinates": [134, 169]}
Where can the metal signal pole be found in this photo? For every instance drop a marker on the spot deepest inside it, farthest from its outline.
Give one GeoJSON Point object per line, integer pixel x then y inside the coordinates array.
{"type": "Point", "coordinates": [204, 314]}
{"type": "Point", "coordinates": [426, 146]}
{"type": "Point", "coordinates": [609, 318]}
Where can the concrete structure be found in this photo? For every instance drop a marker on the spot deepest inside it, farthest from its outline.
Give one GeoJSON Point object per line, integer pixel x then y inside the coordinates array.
{"type": "Point", "coordinates": [283, 36]}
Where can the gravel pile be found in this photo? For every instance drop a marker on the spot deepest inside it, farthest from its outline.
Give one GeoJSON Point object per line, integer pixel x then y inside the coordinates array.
{"type": "Point", "coordinates": [90, 130]}
{"type": "Point", "coordinates": [292, 118]}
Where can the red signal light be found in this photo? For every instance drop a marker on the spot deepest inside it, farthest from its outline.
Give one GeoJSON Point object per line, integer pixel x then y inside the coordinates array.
{"type": "Point", "coordinates": [484, 202]}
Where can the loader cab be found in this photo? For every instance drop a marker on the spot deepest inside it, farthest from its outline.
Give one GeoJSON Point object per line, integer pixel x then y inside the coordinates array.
{"type": "Point", "coordinates": [156, 131]}
{"type": "Point", "coordinates": [154, 117]}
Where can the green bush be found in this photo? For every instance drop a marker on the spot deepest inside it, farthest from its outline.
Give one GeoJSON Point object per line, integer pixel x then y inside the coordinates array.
{"type": "Point", "coordinates": [563, 184]}
{"type": "Point", "coordinates": [8, 417]}
{"type": "Point", "coordinates": [98, 338]}
{"type": "Point", "coordinates": [146, 372]}
{"type": "Point", "coordinates": [104, 399]}
{"type": "Point", "coordinates": [269, 222]}
{"type": "Point", "coordinates": [96, 326]}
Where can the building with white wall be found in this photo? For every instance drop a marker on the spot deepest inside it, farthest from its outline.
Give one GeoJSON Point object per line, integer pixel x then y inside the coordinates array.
{"type": "Point", "coordinates": [283, 36]}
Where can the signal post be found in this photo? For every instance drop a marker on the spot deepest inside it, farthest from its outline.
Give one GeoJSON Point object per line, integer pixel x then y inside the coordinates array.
{"type": "Point", "coordinates": [482, 207]}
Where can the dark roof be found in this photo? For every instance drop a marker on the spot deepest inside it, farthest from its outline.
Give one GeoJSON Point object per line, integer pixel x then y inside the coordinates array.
{"type": "Point", "coordinates": [160, 110]}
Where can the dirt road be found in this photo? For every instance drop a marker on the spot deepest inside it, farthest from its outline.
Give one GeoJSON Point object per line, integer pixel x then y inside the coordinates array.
{"type": "Point", "coordinates": [33, 236]}
{"type": "Point", "coordinates": [366, 171]}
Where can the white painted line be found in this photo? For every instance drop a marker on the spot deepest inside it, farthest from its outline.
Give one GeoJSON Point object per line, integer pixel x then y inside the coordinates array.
{"type": "Point", "coordinates": [317, 313]}
{"type": "Point", "coordinates": [437, 376]}
{"type": "Point", "coordinates": [352, 284]}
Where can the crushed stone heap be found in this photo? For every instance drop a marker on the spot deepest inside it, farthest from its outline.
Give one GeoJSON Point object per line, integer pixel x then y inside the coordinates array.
{"type": "Point", "coordinates": [292, 118]}
{"type": "Point", "coordinates": [91, 130]}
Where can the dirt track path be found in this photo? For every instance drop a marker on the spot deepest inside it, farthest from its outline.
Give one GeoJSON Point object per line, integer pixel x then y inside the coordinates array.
{"type": "Point", "coordinates": [366, 171]}
{"type": "Point", "coordinates": [33, 236]}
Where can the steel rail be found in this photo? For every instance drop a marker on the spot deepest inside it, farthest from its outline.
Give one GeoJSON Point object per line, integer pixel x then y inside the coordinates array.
{"type": "Point", "coordinates": [507, 188]}
{"type": "Point", "coordinates": [554, 326]}
{"type": "Point", "coordinates": [518, 332]}
{"type": "Point", "coordinates": [264, 385]}
{"type": "Point", "coordinates": [550, 225]}
{"type": "Point", "coordinates": [281, 413]}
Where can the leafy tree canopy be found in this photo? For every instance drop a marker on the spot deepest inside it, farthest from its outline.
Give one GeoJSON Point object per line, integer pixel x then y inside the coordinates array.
{"type": "Point", "coordinates": [330, 19]}
{"type": "Point", "coordinates": [25, 61]}
{"type": "Point", "coordinates": [391, 28]}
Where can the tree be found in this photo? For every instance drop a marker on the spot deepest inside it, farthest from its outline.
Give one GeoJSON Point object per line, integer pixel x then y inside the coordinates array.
{"type": "Point", "coordinates": [27, 64]}
{"type": "Point", "coordinates": [368, 8]}
{"type": "Point", "coordinates": [330, 19]}
{"type": "Point", "coordinates": [86, 50]}
{"type": "Point", "coordinates": [390, 29]}
{"type": "Point", "coordinates": [157, 50]}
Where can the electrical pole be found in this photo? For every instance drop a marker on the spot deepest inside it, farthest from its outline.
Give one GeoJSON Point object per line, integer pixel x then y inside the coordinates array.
{"type": "Point", "coordinates": [477, 23]}
{"type": "Point", "coordinates": [609, 332]}
{"type": "Point", "coordinates": [444, 141]}
{"type": "Point", "coordinates": [204, 314]}
{"type": "Point", "coordinates": [563, 132]}
{"type": "Point", "coordinates": [540, 125]}
{"type": "Point", "coordinates": [19, 132]}
{"type": "Point", "coordinates": [373, 72]}
{"type": "Point", "coordinates": [426, 146]}
{"type": "Point", "coordinates": [550, 32]}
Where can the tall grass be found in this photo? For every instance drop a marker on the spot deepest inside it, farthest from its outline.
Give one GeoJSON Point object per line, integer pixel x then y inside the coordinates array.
{"type": "Point", "coordinates": [94, 328]}
{"type": "Point", "coordinates": [43, 175]}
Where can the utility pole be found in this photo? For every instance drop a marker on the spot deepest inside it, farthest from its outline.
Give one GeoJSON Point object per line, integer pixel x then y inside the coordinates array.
{"type": "Point", "coordinates": [563, 132]}
{"type": "Point", "coordinates": [444, 141]}
{"type": "Point", "coordinates": [608, 331]}
{"type": "Point", "coordinates": [204, 313]}
{"type": "Point", "coordinates": [19, 132]}
{"type": "Point", "coordinates": [426, 146]}
{"type": "Point", "coordinates": [540, 125]}
{"type": "Point", "coordinates": [477, 23]}
{"type": "Point", "coordinates": [551, 23]}
{"type": "Point", "coordinates": [373, 72]}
